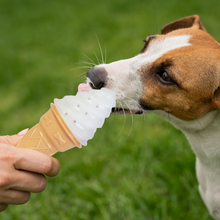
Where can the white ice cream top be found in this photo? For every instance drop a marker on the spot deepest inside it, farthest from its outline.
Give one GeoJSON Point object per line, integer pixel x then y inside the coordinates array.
{"type": "Point", "coordinates": [86, 111]}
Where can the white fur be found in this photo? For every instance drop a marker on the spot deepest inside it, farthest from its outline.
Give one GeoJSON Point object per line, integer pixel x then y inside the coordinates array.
{"type": "Point", "coordinates": [203, 133]}
{"type": "Point", "coordinates": [203, 136]}
{"type": "Point", "coordinates": [123, 74]}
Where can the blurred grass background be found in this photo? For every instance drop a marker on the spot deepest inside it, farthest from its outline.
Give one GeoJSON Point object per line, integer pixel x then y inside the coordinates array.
{"type": "Point", "coordinates": [140, 170]}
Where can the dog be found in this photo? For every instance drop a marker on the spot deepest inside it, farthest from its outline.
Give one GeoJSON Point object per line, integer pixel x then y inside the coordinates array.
{"type": "Point", "coordinates": [177, 76]}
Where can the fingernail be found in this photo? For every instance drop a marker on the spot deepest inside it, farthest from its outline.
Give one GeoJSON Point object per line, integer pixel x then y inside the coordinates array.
{"type": "Point", "coordinates": [23, 131]}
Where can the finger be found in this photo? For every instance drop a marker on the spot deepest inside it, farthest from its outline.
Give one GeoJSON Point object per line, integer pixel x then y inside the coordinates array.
{"type": "Point", "coordinates": [55, 169]}
{"type": "Point", "coordinates": [37, 162]}
{"type": "Point", "coordinates": [28, 181]}
{"type": "Point", "coordinates": [15, 197]}
{"type": "Point", "coordinates": [23, 132]}
{"type": "Point", "coordinates": [3, 207]}
{"type": "Point", "coordinates": [13, 139]}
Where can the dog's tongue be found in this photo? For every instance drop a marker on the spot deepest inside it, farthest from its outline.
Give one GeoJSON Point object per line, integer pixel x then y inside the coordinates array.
{"type": "Point", "coordinates": [132, 111]}
{"type": "Point", "coordinates": [83, 87]}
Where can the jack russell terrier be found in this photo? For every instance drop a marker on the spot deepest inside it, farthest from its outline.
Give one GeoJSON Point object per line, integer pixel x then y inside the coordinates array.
{"type": "Point", "coordinates": [177, 76]}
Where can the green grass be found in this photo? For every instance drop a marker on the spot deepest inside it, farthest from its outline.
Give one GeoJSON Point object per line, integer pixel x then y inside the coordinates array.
{"type": "Point", "coordinates": [128, 171]}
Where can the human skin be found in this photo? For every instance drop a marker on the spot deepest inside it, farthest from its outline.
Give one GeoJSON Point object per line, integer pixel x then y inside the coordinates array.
{"type": "Point", "coordinates": [22, 171]}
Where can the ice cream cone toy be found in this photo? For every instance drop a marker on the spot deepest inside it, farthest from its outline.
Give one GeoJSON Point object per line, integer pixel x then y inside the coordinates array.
{"type": "Point", "coordinates": [71, 121]}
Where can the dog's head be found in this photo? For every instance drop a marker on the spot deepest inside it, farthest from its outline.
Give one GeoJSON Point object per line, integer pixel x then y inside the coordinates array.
{"type": "Point", "coordinates": [177, 72]}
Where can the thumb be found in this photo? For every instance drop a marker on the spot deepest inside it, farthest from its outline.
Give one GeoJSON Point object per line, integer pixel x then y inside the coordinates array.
{"type": "Point", "coordinates": [13, 139]}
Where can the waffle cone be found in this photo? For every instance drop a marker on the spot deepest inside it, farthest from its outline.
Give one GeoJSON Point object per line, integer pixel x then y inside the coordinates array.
{"type": "Point", "coordinates": [50, 135]}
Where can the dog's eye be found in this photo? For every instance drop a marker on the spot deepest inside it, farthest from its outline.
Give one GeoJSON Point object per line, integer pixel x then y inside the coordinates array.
{"type": "Point", "coordinates": [165, 78]}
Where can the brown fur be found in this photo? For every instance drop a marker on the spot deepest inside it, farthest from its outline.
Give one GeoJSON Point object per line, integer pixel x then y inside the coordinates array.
{"type": "Point", "coordinates": [193, 98]}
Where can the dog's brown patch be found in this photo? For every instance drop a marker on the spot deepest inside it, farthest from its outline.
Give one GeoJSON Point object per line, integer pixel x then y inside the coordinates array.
{"type": "Point", "coordinates": [191, 96]}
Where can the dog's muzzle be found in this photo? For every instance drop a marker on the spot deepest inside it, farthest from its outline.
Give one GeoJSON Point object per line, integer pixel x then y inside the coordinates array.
{"type": "Point", "coordinates": [97, 77]}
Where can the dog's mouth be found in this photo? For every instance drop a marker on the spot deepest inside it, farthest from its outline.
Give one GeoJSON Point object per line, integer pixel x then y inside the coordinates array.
{"type": "Point", "coordinates": [86, 87]}
{"type": "Point", "coordinates": [126, 111]}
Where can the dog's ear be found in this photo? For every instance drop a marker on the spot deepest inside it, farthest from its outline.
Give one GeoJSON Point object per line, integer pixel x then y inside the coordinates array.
{"type": "Point", "coordinates": [188, 22]}
{"type": "Point", "coordinates": [216, 98]}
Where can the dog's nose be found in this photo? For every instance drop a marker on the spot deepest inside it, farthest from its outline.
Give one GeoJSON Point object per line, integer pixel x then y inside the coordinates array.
{"type": "Point", "coordinates": [98, 77]}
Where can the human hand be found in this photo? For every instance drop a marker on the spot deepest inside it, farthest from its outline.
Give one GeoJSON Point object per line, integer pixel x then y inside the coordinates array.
{"type": "Point", "coordinates": [22, 171]}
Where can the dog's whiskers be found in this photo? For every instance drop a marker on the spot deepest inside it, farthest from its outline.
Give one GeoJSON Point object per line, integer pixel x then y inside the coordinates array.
{"type": "Point", "coordinates": [102, 57]}
{"type": "Point", "coordinates": [82, 76]}
{"type": "Point", "coordinates": [105, 60]}
{"type": "Point", "coordinates": [92, 62]}
{"type": "Point", "coordinates": [98, 60]}
{"type": "Point", "coordinates": [132, 120]}
{"type": "Point", "coordinates": [80, 67]}
{"type": "Point", "coordinates": [124, 119]}
{"type": "Point", "coordinates": [133, 100]}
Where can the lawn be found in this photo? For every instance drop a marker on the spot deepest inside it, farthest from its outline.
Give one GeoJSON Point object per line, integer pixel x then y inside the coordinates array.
{"type": "Point", "coordinates": [136, 167]}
